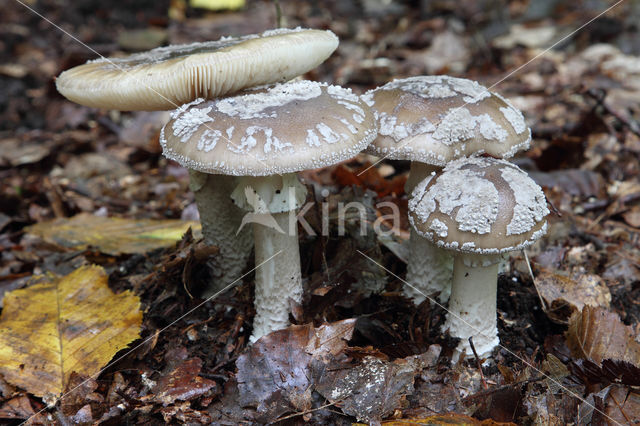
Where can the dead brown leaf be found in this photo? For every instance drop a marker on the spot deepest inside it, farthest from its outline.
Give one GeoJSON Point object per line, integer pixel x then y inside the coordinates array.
{"type": "Point", "coordinates": [369, 391]}
{"type": "Point", "coordinates": [564, 295]}
{"type": "Point", "coordinates": [623, 405]}
{"type": "Point", "coordinates": [274, 376]}
{"type": "Point", "coordinates": [183, 383]}
{"type": "Point", "coordinates": [598, 334]}
{"type": "Point", "coordinates": [17, 408]}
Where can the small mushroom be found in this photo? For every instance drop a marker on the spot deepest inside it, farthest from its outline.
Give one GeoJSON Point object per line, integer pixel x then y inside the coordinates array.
{"type": "Point", "coordinates": [265, 136]}
{"type": "Point", "coordinates": [478, 208]}
{"type": "Point", "coordinates": [432, 120]}
{"type": "Point", "coordinates": [174, 76]}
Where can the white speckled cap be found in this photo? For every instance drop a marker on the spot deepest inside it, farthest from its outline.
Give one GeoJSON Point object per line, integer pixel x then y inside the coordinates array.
{"type": "Point", "coordinates": [167, 77]}
{"type": "Point", "coordinates": [479, 205]}
{"type": "Point", "coordinates": [436, 119]}
{"type": "Point", "coordinates": [285, 128]}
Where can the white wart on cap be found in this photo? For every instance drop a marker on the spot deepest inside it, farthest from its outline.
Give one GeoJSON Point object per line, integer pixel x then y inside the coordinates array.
{"type": "Point", "coordinates": [481, 206]}
{"type": "Point", "coordinates": [435, 119]}
{"type": "Point", "coordinates": [167, 77]}
{"type": "Point", "coordinates": [285, 128]}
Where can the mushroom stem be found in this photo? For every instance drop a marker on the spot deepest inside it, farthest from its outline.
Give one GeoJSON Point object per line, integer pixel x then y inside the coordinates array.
{"type": "Point", "coordinates": [221, 219]}
{"type": "Point", "coordinates": [279, 278]}
{"type": "Point", "coordinates": [472, 306]}
{"type": "Point", "coordinates": [430, 268]}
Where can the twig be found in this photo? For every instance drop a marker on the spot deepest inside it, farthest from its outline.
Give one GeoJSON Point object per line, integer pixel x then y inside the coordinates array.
{"type": "Point", "coordinates": [302, 413]}
{"type": "Point", "coordinates": [533, 279]}
{"type": "Point", "coordinates": [620, 408]}
{"type": "Point", "coordinates": [478, 363]}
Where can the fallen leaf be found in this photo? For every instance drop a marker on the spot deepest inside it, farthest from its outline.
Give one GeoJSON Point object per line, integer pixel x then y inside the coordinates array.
{"type": "Point", "coordinates": [632, 217]}
{"type": "Point", "coordinates": [564, 295]}
{"type": "Point", "coordinates": [217, 4]}
{"type": "Point", "coordinates": [17, 408]}
{"type": "Point", "coordinates": [623, 405]}
{"type": "Point", "coordinates": [598, 334]}
{"type": "Point", "coordinates": [112, 235]}
{"type": "Point", "coordinates": [370, 391]}
{"type": "Point", "coordinates": [274, 376]}
{"type": "Point", "coordinates": [64, 324]}
{"type": "Point", "coordinates": [183, 383]}
{"type": "Point", "coordinates": [442, 419]}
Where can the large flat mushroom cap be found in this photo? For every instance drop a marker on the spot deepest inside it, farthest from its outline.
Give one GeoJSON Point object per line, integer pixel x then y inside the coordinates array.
{"type": "Point", "coordinates": [167, 77]}
{"type": "Point", "coordinates": [285, 128]}
{"type": "Point", "coordinates": [479, 205]}
{"type": "Point", "coordinates": [436, 119]}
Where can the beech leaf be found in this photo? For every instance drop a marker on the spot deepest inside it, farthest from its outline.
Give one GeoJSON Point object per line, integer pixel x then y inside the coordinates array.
{"type": "Point", "coordinates": [598, 334]}
{"type": "Point", "coordinates": [59, 325]}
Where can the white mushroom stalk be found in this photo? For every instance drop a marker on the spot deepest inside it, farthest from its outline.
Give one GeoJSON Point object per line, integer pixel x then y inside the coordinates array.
{"type": "Point", "coordinates": [478, 208]}
{"type": "Point", "coordinates": [432, 120]}
{"type": "Point", "coordinates": [272, 202]}
{"type": "Point", "coordinates": [221, 219]}
{"type": "Point", "coordinates": [263, 137]}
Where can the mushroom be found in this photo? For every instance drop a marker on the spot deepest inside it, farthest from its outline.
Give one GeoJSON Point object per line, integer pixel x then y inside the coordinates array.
{"type": "Point", "coordinates": [167, 77]}
{"type": "Point", "coordinates": [174, 76]}
{"type": "Point", "coordinates": [430, 121]}
{"type": "Point", "coordinates": [265, 136]}
{"type": "Point", "coordinates": [478, 208]}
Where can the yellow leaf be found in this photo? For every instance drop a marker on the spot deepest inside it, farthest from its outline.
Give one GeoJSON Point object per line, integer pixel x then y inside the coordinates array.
{"type": "Point", "coordinates": [58, 325]}
{"type": "Point", "coordinates": [113, 235]}
{"type": "Point", "coordinates": [217, 4]}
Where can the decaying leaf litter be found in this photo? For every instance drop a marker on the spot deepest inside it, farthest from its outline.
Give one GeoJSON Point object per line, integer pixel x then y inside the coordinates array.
{"type": "Point", "coordinates": [59, 160]}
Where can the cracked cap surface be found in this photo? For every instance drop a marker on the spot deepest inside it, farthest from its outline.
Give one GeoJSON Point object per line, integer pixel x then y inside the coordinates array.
{"type": "Point", "coordinates": [284, 128]}
{"type": "Point", "coordinates": [436, 119]}
{"type": "Point", "coordinates": [479, 205]}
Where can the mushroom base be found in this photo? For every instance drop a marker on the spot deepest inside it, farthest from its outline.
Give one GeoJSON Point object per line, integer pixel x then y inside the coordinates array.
{"type": "Point", "coordinates": [472, 306]}
{"type": "Point", "coordinates": [278, 278]}
{"type": "Point", "coordinates": [220, 220]}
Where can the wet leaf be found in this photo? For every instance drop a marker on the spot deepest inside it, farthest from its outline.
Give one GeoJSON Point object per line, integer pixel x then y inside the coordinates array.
{"type": "Point", "coordinates": [597, 334]}
{"type": "Point", "coordinates": [564, 295]}
{"type": "Point", "coordinates": [370, 391]}
{"type": "Point", "coordinates": [274, 376]}
{"type": "Point", "coordinates": [112, 235]}
{"type": "Point", "coordinates": [64, 324]}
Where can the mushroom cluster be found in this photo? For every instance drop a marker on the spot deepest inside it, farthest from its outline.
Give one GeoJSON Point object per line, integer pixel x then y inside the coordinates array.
{"type": "Point", "coordinates": [430, 121]}
{"type": "Point", "coordinates": [271, 134]}
{"type": "Point", "coordinates": [173, 77]}
{"type": "Point", "coordinates": [243, 130]}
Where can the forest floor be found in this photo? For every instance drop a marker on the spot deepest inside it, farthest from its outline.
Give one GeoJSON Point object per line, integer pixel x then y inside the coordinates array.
{"type": "Point", "coordinates": [570, 350]}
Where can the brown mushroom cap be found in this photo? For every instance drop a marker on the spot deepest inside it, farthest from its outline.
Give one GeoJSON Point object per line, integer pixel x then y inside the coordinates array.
{"type": "Point", "coordinates": [285, 128]}
{"type": "Point", "coordinates": [435, 119]}
{"type": "Point", "coordinates": [479, 205]}
{"type": "Point", "coordinates": [167, 77]}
